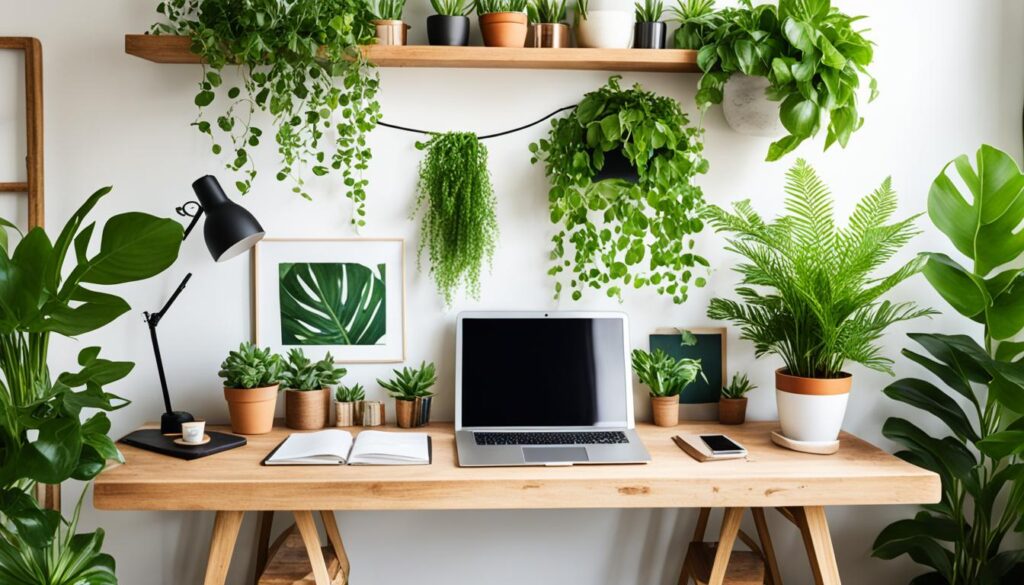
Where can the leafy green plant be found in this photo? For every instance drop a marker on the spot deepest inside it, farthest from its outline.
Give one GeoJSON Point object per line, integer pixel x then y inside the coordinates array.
{"type": "Point", "coordinates": [460, 227]}
{"type": "Point", "coordinates": [300, 62]}
{"type": "Point", "coordinates": [649, 10]}
{"type": "Point", "coordinates": [738, 386]}
{"type": "Point", "coordinates": [822, 307]}
{"type": "Point", "coordinates": [43, 437]}
{"type": "Point", "coordinates": [353, 393]}
{"type": "Point", "coordinates": [697, 21]}
{"type": "Point", "coordinates": [326, 303]}
{"type": "Point", "coordinates": [492, 6]}
{"type": "Point", "coordinates": [301, 373]}
{"type": "Point", "coordinates": [582, 7]}
{"type": "Point", "coordinates": [546, 11]}
{"type": "Point", "coordinates": [452, 7]}
{"type": "Point", "coordinates": [980, 400]}
{"type": "Point", "coordinates": [251, 367]}
{"type": "Point", "coordinates": [810, 53]}
{"type": "Point", "coordinates": [664, 374]}
{"type": "Point", "coordinates": [411, 383]}
{"type": "Point", "coordinates": [387, 9]}
{"type": "Point", "coordinates": [614, 233]}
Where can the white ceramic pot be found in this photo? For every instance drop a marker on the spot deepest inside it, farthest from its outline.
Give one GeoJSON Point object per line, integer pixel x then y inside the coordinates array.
{"type": "Point", "coordinates": [748, 110]}
{"type": "Point", "coordinates": [811, 409]}
{"type": "Point", "coordinates": [606, 29]}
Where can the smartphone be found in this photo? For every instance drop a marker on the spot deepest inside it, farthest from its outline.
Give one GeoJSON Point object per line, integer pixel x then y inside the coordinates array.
{"type": "Point", "coordinates": [721, 445]}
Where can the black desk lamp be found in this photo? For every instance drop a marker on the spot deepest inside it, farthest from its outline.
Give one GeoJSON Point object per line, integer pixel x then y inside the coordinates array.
{"type": "Point", "coordinates": [229, 230]}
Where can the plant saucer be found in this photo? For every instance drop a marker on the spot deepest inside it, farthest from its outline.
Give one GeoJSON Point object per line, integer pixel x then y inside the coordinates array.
{"type": "Point", "coordinates": [813, 447]}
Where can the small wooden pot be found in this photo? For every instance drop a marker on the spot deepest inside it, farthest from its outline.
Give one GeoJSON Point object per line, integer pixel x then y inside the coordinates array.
{"type": "Point", "coordinates": [251, 409]}
{"type": "Point", "coordinates": [404, 413]}
{"type": "Point", "coordinates": [666, 410]}
{"type": "Point", "coordinates": [345, 414]}
{"type": "Point", "coordinates": [732, 411]}
{"type": "Point", "coordinates": [306, 410]}
{"type": "Point", "coordinates": [391, 32]}
{"type": "Point", "coordinates": [503, 29]}
{"type": "Point", "coordinates": [373, 413]}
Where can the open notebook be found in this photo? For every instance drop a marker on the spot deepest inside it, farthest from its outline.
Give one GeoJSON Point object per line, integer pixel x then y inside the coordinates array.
{"type": "Point", "coordinates": [337, 447]}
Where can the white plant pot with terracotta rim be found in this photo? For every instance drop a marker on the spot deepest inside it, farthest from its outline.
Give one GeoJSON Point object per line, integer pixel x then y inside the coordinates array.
{"type": "Point", "coordinates": [748, 110]}
{"type": "Point", "coordinates": [811, 409]}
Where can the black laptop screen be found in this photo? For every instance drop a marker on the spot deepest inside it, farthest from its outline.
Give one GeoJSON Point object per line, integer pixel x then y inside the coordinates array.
{"type": "Point", "coordinates": [543, 372]}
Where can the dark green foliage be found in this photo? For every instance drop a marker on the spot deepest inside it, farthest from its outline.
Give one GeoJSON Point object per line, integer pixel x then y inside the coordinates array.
{"type": "Point", "coordinates": [546, 11]}
{"type": "Point", "coordinates": [649, 10]}
{"type": "Point", "coordinates": [410, 383]}
{"type": "Point", "coordinates": [811, 55]}
{"type": "Point", "coordinates": [302, 64]}
{"type": "Point", "coordinates": [823, 306]}
{"type": "Point", "coordinates": [738, 386]}
{"type": "Point", "coordinates": [615, 233]}
{"type": "Point", "coordinates": [301, 373]}
{"type": "Point", "coordinates": [460, 228]}
{"type": "Point", "coordinates": [251, 367]}
{"type": "Point", "coordinates": [697, 22]}
{"type": "Point", "coordinates": [353, 393]}
{"type": "Point", "coordinates": [326, 303]}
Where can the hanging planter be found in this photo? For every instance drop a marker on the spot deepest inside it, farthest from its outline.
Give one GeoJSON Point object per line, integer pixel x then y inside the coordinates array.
{"type": "Point", "coordinates": [603, 29]}
{"type": "Point", "coordinates": [747, 108]}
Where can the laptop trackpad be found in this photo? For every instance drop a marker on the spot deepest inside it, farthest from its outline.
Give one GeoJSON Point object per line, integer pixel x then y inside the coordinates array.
{"type": "Point", "coordinates": [555, 454]}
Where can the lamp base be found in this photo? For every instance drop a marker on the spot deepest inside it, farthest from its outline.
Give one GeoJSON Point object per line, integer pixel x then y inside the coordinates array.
{"type": "Point", "coordinates": [170, 422]}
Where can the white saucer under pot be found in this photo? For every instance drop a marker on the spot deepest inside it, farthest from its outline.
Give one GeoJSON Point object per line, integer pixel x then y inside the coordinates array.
{"type": "Point", "coordinates": [811, 409]}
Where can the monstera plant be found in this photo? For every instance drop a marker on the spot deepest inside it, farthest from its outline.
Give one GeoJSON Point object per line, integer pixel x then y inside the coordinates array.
{"type": "Point", "coordinates": [43, 437]}
{"type": "Point", "coordinates": [332, 304]}
{"type": "Point", "coordinates": [979, 396]}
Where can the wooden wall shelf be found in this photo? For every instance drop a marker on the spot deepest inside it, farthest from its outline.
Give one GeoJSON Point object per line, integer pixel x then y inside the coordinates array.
{"type": "Point", "coordinates": [172, 49]}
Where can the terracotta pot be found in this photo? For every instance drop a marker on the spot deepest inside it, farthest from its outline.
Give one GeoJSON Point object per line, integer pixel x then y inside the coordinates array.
{"type": "Point", "coordinates": [251, 409]}
{"type": "Point", "coordinates": [306, 410]}
{"type": "Point", "coordinates": [503, 29]}
{"type": "Point", "coordinates": [548, 36]}
{"type": "Point", "coordinates": [666, 410]}
{"type": "Point", "coordinates": [403, 413]}
{"type": "Point", "coordinates": [811, 409]}
{"type": "Point", "coordinates": [345, 414]}
{"type": "Point", "coordinates": [391, 32]}
{"type": "Point", "coordinates": [732, 411]}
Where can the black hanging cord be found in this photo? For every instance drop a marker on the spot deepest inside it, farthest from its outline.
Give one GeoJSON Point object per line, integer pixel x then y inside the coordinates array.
{"type": "Point", "coordinates": [486, 136]}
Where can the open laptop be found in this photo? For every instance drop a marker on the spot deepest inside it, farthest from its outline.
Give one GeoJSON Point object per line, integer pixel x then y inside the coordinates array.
{"type": "Point", "coordinates": [544, 388]}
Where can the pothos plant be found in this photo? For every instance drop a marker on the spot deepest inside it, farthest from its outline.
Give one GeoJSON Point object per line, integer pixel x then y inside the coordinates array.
{"type": "Point", "coordinates": [300, 62]}
{"type": "Point", "coordinates": [615, 233]}
{"type": "Point", "coordinates": [812, 56]}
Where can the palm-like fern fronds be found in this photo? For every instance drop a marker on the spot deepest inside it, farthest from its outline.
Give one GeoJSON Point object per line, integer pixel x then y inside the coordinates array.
{"type": "Point", "coordinates": [810, 294]}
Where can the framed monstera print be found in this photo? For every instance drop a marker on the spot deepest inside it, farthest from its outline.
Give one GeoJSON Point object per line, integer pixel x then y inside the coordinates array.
{"type": "Point", "coordinates": [343, 296]}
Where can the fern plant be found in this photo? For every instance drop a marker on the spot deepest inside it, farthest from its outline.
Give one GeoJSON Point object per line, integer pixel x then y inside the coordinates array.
{"type": "Point", "coordinates": [810, 293]}
{"type": "Point", "coordinates": [411, 383]}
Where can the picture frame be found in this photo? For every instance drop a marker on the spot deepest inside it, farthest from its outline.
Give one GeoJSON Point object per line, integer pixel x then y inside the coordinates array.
{"type": "Point", "coordinates": [343, 296]}
{"type": "Point", "coordinates": [700, 399]}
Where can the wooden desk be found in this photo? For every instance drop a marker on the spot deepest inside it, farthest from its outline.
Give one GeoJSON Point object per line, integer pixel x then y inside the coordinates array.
{"type": "Point", "coordinates": [232, 483]}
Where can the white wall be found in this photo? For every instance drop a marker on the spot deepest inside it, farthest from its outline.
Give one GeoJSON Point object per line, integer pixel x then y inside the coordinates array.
{"type": "Point", "coordinates": [950, 77]}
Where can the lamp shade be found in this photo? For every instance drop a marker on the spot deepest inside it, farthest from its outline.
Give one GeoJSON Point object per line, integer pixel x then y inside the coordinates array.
{"type": "Point", "coordinates": [229, 228]}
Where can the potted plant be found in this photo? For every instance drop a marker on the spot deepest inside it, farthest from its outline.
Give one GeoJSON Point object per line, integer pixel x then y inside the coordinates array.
{"type": "Point", "coordinates": [251, 377]}
{"type": "Point", "coordinates": [307, 395]}
{"type": "Point", "coordinates": [410, 387]}
{"type": "Point", "coordinates": [760, 61]}
{"type": "Point", "coordinates": [603, 29]}
{"type": "Point", "coordinates": [387, 21]}
{"type": "Point", "coordinates": [666, 377]}
{"type": "Point", "coordinates": [349, 405]}
{"type": "Point", "coordinates": [650, 31]}
{"type": "Point", "coordinates": [697, 21]}
{"type": "Point", "coordinates": [547, 29]}
{"type": "Point", "coordinates": [614, 233]}
{"type": "Point", "coordinates": [450, 26]}
{"type": "Point", "coordinates": [732, 406]}
{"type": "Point", "coordinates": [502, 22]}
{"type": "Point", "coordinates": [54, 426]}
{"type": "Point", "coordinates": [810, 295]}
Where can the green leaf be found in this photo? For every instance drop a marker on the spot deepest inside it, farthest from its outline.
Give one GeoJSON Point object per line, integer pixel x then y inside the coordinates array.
{"type": "Point", "coordinates": [33, 525]}
{"type": "Point", "coordinates": [929, 398]}
{"type": "Point", "coordinates": [960, 288]}
{"type": "Point", "coordinates": [1005, 317]}
{"type": "Point", "coordinates": [801, 117]}
{"type": "Point", "coordinates": [54, 454]}
{"type": "Point", "coordinates": [800, 34]}
{"type": "Point", "coordinates": [204, 98]}
{"type": "Point", "coordinates": [332, 304]}
{"type": "Point", "coordinates": [1003, 444]}
{"type": "Point", "coordinates": [134, 246]}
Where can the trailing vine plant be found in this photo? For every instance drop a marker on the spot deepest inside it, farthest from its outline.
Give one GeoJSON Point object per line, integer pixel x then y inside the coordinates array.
{"type": "Point", "coordinates": [614, 232]}
{"type": "Point", "coordinates": [300, 62]}
{"type": "Point", "coordinates": [460, 227]}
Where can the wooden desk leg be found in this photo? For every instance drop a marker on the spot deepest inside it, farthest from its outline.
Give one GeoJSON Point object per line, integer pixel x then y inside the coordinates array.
{"type": "Point", "coordinates": [767, 548]}
{"type": "Point", "coordinates": [310, 537]}
{"type": "Point", "coordinates": [222, 546]}
{"type": "Point", "coordinates": [264, 524]}
{"type": "Point", "coordinates": [334, 537]}
{"type": "Point", "coordinates": [726, 540]}
{"type": "Point", "coordinates": [818, 542]}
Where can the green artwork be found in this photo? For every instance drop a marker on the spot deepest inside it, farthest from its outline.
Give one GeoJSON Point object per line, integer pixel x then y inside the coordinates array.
{"type": "Point", "coordinates": [709, 351]}
{"type": "Point", "coordinates": [332, 303]}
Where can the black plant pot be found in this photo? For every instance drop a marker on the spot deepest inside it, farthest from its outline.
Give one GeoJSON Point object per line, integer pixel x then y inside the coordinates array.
{"type": "Point", "coordinates": [617, 166]}
{"type": "Point", "coordinates": [448, 30]}
{"type": "Point", "coordinates": [649, 35]}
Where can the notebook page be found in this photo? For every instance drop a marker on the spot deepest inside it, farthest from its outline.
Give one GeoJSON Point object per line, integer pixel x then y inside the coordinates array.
{"type": "Point", "coordinates": [384, 448]}
{"type": "Point", "coordinates": [321, 447]}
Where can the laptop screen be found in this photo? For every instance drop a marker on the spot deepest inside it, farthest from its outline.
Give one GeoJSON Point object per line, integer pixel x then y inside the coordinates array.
{"type": "Point", "coordinates": [543, 372]}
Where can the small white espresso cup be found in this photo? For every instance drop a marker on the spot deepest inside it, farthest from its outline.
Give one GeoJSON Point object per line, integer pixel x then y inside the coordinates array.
{"type": "Point", "coordinates": [193, 432]}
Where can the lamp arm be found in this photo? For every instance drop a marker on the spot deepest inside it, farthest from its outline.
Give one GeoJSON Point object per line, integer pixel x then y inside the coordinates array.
{"type": "Point", "coordinates": [195, 213]}
{"type": "Point", "coordinates": [152, 320]}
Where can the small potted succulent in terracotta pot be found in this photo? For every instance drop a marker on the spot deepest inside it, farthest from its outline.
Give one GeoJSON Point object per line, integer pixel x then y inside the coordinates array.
{"type": "Point", "coordinates": [410, 387]}
{"type": "Point", "coordinates": [251, 379]}
{"type": "Point", "coordinates": [387, 20]}
{"type": "Point", "coordinates": [732, 406]}
{"type": "Point", "coordinates": [450, 26]}
{"type": "Point", "coordinates": [349, 405]}
{"type": "Point", "coordinates": [307, 396]}
{"type": "Point", "coordinates": [650, 30]}
{"type": "Point", "coordinates": [502, 22]}
{"type": "Point", "coordinates": [666, 377]}
{"type": "Point", "coordinates": [547, 26]}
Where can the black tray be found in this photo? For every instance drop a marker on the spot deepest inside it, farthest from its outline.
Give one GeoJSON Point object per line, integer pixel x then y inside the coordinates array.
{"type": "Point", "coordinates": [152, 440]}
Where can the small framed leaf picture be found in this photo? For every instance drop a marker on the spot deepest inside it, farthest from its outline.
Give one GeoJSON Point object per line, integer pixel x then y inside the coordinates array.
{"type": "Point", "coordinates": [343, 296]}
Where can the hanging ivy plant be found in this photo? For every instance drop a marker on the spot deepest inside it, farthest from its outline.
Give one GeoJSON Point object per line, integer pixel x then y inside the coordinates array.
{"type": "Point", "coordinates": [460, 227]}
{"type": "Point", "coordinates": [615, 232]}
{"type": "Point", "coordinates": [299, 61]}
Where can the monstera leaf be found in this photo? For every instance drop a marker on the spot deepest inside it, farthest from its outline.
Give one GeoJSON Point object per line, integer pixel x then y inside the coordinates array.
{"type": "Point", "coordinates": [332, 304]}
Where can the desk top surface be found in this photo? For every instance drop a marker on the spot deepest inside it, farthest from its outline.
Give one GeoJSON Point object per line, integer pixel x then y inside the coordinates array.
{"type": "Point", "coordinates": [859, 474]}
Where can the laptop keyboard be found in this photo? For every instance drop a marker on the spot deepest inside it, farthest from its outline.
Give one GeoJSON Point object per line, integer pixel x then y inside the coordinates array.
{"type": "Point", "coordinates": [554, 438]}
